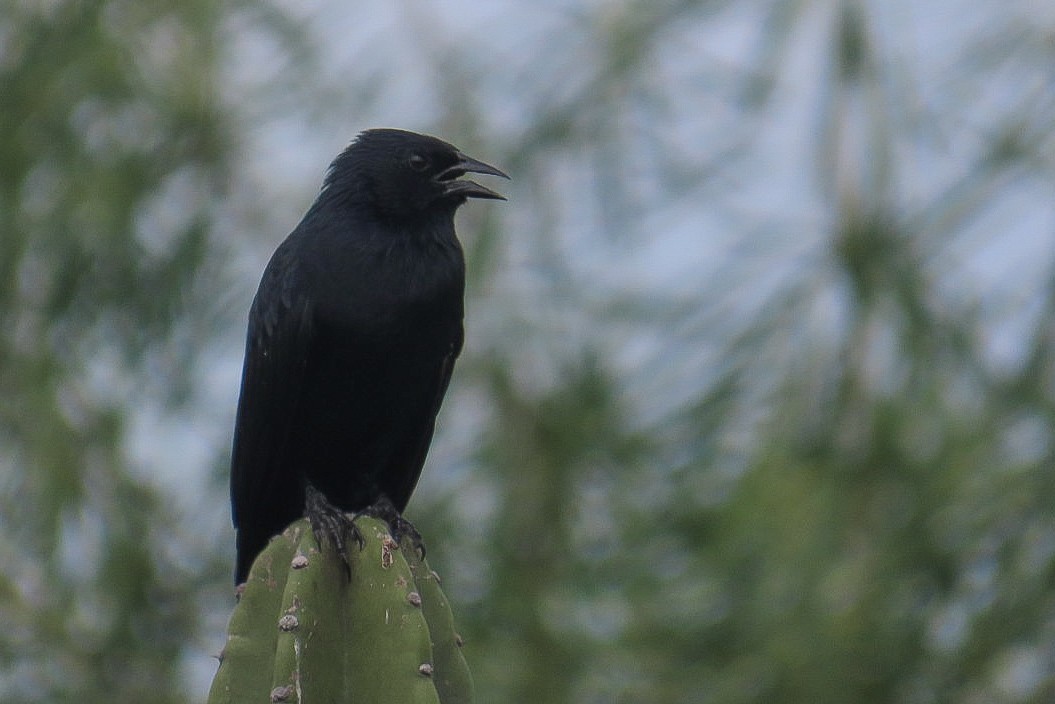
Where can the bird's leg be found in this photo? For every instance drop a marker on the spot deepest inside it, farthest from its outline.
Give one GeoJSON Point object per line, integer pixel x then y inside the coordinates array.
{"type": "Point", "coordinates": [331, 524]}
{"type": "Point", "coordinates": [384, 510]}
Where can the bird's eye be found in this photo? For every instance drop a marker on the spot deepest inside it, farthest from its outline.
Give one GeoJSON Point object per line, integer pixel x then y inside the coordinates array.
{"type": "Point", "coordinates": [418, 162]}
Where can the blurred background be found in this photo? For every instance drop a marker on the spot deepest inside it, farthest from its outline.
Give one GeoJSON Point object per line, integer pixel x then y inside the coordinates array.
{"type": "Point", "coordinates": [758, 396]}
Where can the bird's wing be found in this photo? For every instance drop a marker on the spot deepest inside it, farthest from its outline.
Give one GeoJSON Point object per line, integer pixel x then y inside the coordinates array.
{"type": "Point", "coordinates": [446, 369]}
{"type": "Point", "coordinates": [406, 480]}
{"type": "Point", "coordinates": [264, 492]}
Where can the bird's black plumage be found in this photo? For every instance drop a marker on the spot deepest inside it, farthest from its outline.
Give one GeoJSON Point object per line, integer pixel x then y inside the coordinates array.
{"type": "Point", "coordinates": [352, 337]}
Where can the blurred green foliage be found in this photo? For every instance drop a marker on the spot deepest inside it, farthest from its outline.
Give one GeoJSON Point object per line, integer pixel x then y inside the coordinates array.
{"type": "Point", "coordinates": [107, 107]}
{"type": "Point", "coordinates": [810, 460]}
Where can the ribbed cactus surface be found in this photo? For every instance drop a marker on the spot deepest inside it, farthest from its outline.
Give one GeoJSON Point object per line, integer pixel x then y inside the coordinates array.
{"type": "Point", "coordinates": [304, 631]}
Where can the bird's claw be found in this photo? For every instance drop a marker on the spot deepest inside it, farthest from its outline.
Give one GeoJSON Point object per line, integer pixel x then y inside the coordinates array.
{"type": "Point", "coordinates": [384, 510]}
{"type": "Point", "coordinates": [331, 525]}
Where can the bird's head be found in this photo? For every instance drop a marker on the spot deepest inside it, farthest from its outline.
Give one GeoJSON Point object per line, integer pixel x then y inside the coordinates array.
{"type": "Point", "coordinates": [403, 174]}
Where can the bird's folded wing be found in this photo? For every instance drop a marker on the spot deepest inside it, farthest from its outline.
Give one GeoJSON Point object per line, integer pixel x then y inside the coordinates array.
{"type": "Point", "coordinates": [402, 483]}
{"type": "Point", "coordinates": [277, 349]}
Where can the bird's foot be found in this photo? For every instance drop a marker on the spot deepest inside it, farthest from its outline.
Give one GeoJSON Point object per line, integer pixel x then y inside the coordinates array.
{"type": "Point", "coordinates": [384, 510]}
{"type": "Point", "coordinates": [331, 525]}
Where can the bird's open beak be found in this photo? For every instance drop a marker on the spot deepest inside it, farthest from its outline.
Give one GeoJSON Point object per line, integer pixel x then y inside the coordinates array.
{"type": "Point", "coordinates": [469, 189]}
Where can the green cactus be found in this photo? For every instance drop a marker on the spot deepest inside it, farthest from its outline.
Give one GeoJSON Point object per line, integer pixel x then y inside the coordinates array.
{"type": "Point", "coordinates": [304, 631]}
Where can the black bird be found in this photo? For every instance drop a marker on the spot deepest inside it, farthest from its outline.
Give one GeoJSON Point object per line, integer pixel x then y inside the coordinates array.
{"type": "Point", "coordinates": [352, 337]}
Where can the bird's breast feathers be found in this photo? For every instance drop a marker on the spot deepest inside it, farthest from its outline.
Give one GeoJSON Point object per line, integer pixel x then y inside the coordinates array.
{"type": "Point", "coordinates": [389, 287]}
